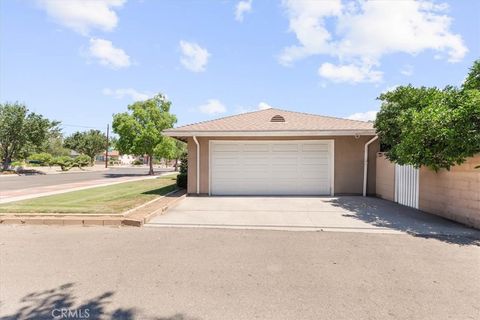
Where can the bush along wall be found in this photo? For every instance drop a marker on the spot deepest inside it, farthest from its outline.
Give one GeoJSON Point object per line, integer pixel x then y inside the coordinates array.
{"type": "Point", "coordinates": [182, 176]}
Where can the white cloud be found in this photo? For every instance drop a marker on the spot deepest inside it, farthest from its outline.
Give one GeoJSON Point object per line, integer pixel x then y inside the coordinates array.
{"type": "Point", "coordinates": [264, 106]}
{"type": "Point", "coordinates": [390, 88]}
{"type": "Point", "coordinates": [349, 73]}
{"type": "Point", "coordinates": [241, 8]}
{"type": "Point", "coordinates": [107, 54]}
{"type": "Point", "coordinates": [407, 70]}
{"type": "Point", "coordinates": [194, 57]}
{"type": "Point", "coordinates": [127, 92]}
{"type": "Point", "coordinates": [363, 116]}
{"type": "Point", "coordinates": [83, 15]}
{"type": "Point", "coordinates": [261, 106]}
{"type": "Point", "coordinates": [213, 106]}
{"type": "Point", "coordinates": [363, 32]}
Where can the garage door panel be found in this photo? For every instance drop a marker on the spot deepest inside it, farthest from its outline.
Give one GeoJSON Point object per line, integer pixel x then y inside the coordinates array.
{"type": "Point", "coordinates": [255, 147]}
{"type": "Point", "coordinates": [270, 168]}
{"type": "Point", "coordinates": [284, 147]}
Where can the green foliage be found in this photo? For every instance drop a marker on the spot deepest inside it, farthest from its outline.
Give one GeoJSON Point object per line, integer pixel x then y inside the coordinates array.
{"type": "Point", "coordinates": [137, 162]}
{"type": "Point", "coordinates": [428, 126]}
{"type": "Point", "coordinates": [182, 177]}
{"type": "Point", "coordinates": [166, 149]}
{"type": "Point", "coordinates": [65, 162]}
{"type": "Point", "coordinates": [89, 143]}
{"type": "Point", "coordinates": [472, 82]}
{"type": "Point", "coordinates": [184, 163]}
{"type": "Point", "coordinates": [140, 130]}
{"type": "Point", "coordinates": [21, 131]}
{"type": "Point", "coordinates": [82, 161]}
{"type": "Point", "coordinates": [43, 158]}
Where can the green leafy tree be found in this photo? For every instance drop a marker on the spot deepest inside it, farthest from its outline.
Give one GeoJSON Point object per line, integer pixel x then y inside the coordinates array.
{"type": "Point", "coordinates": [140, 130]}
{"type": "Point", "coordinates": [89, 143]}
{"type": "Point", "coordinates": [472, 82]}
{"type": "Point", "coordinates": [165, 149]}
{"type": "Point", "coordinates": [430, 127]}
{"type": "Point", "coordinates": [21, 131]}
{"type": "Point", "coordinates": [171, 149]}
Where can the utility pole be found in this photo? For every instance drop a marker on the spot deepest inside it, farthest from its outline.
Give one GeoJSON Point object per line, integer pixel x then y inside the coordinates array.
{"type": "Point", "coordinates": [106, 147]}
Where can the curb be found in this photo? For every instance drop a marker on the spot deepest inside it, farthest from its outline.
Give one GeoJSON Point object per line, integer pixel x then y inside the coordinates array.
{"type": "Point", "coordinates": [126, 218]}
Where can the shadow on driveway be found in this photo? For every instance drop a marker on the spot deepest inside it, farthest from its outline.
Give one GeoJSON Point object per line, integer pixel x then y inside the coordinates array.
{"type": "Point", "coordinates": [61, 303]}
{"type": "Point", "coordinates": [382, 213]}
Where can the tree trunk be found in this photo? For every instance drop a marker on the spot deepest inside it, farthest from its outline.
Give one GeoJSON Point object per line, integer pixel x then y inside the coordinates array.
{"type": "Point", "coordinates": [6, 163]}
{"type": "Point", "coordinates": [176, 164]}
{"type": "Point", "coordinates": [150, 162]}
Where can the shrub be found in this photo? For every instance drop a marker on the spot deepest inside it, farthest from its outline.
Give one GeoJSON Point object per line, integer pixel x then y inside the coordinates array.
{"type": "Point", "coordinates": [82, 161]}
{"type": "Point", "coordinates": [182, 180]}
{"type": "Point", "coordinates": [182, 177]}
{"type": "Point", "coordinates": [43, 158]}
{"type": "Point", "coordinates": [65, 162]}
{"type": "Point", "coordinates": [137, 162]}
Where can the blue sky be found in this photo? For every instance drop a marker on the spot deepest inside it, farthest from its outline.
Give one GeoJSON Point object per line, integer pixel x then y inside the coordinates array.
{"type": "Point", "coordinates": [80, 61]}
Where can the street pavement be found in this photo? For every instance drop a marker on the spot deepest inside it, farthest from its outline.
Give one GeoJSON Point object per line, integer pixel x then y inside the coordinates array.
{"type": "Point", "coordinates": [27, 187]}
{"type": "Point", "coordinates": [33, 181]}
{"type": "Point", "coordinates": [201, 273]}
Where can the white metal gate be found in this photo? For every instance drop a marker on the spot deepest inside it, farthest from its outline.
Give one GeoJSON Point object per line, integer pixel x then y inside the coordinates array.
{"type": "Point", "coordinates": [406, 185]}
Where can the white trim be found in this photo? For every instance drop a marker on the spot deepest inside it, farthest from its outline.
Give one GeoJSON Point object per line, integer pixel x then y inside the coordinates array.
{"type": "Point", "coordinates": [198, 163]}
{"type": "Point", "coordinates": [331, 150]}
{"type": "Point", "coordinates": [266, 133]}
{"type": "Point", "coordinates": [210, 167]}
{"type": "Point", "coordinates": [365, 165]}
{"type": "Point", "coordinates": [332, 169]}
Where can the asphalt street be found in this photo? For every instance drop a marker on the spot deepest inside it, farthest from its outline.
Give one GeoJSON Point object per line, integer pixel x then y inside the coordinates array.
{"type": "Point", "coordinates": [186, 273]}
{"type": "Point", "coordinates": [34, 181]}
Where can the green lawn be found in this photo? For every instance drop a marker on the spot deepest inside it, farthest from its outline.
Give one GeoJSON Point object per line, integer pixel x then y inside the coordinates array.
{"type": "Point", "coordinates": [110, 199]}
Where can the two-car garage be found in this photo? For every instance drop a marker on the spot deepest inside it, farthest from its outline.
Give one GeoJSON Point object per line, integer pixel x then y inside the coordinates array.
{"type": "Point", "coordinates": [290, 167]}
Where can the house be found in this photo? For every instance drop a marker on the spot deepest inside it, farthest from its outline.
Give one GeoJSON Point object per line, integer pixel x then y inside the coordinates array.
{"type": "Point", "coordinates": [279, 152]}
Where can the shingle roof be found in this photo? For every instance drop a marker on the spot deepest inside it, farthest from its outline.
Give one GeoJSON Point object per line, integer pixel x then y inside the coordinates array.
{"type": "Point", "coordinates": [259, 121]}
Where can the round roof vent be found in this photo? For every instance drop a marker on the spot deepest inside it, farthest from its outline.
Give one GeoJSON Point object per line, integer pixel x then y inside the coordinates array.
{"type": "Point", "coordinates": [277, 118]}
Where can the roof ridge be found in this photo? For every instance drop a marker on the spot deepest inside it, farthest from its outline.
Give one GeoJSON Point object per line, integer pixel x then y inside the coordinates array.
{"type": "Point", "coordinates": [222, 118]}
{"type": "Point", "coordinates": [320, 115]}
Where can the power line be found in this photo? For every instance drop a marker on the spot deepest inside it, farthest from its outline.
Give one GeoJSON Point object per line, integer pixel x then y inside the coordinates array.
{"type": "Point", "coordinates": [79, 126]}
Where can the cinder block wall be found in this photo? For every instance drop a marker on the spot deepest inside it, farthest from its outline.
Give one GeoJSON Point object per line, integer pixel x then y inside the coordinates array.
{"type": "Point", "coordinates": [453, 194]}
{"type": "Point", "coordinates": [385, 178]}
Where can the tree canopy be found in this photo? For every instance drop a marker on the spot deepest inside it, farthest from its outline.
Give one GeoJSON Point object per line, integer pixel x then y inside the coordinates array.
{"type": "Point", "coordinates": [429, 126]}
{"type": "Point", "coordinates": [21, 131]}
{"type": "Point", "coordinates": [89, 143]}
{"type": "Point", "coordinates": [140, 129]}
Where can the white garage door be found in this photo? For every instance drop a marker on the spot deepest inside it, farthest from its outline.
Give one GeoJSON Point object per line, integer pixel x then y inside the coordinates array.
{"type": "Point", "coordinates": [271, 167]}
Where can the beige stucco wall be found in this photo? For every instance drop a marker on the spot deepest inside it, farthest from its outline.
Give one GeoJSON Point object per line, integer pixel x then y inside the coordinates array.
{"type": "Point", "coordinates": [348, 173]}
{"type": "Point", "coordinates": [453, 194]}
{"type": "Point", "coordinates": [385, 178]}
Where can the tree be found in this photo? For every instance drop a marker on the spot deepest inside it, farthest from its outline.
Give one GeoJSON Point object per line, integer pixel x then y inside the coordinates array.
{"type": "Point", "coordinates": [430, 127]}
{"type": "Point", "coordinates": [140, 130]}
{"type": "Point", "coordinates": [472, 82]}
{"type": "Point", "coordinates": [171, 149]}
{"type": "Point", "coordinates": [21, 131]}
{"type": "Point", "coordinates": [89, 143]}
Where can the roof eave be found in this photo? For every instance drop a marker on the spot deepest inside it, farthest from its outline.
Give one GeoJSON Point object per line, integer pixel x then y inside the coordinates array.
{"type": "Point", "coordinates": [266, 133]}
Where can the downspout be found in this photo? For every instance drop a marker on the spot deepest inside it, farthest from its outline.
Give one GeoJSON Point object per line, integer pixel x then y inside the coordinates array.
{"type": "Point", "coordinates": [198, 164]}
{"type": "Point", "coordinates": [365, 165]}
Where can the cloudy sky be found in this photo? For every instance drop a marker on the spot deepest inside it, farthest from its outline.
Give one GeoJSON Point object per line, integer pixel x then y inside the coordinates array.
{"type": "Point", "coordinates": [80, 61]}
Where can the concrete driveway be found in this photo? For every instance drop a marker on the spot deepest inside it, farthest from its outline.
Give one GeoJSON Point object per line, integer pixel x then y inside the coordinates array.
{"type": "Point", "coordinates": [350, 213]}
